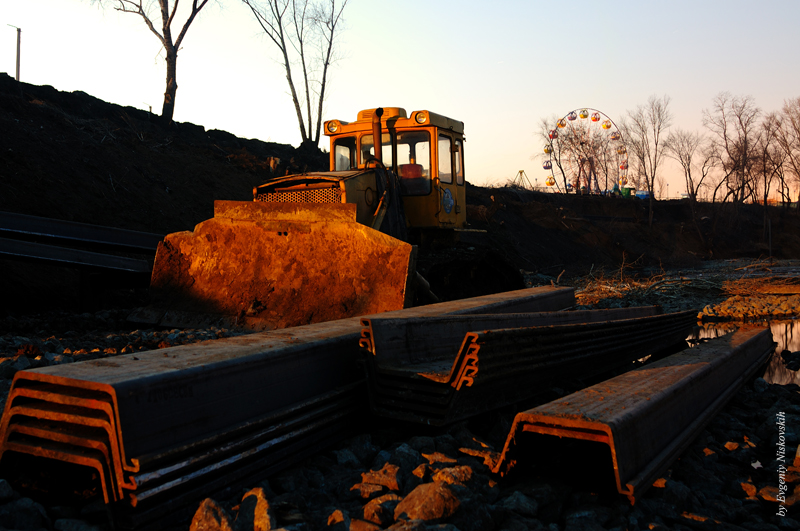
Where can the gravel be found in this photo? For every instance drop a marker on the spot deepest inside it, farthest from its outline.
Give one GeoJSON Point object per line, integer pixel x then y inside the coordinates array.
{"type": "Point", "coordinates": [406, 477]}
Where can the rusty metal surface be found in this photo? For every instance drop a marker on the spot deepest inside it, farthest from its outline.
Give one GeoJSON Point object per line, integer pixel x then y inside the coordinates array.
{"type": "Point", "coordinates": [164, 427]}
{"type": "Point", "coordinates": [477, 363]}
{"type": "Point", "coordinates": [647, 416]}
{"type": "Point", "coordinates": [540, 299]}
{"type": "Point", "coordinates": [403, 340]}
{"type": "Point", "coordinates": [282, 265]}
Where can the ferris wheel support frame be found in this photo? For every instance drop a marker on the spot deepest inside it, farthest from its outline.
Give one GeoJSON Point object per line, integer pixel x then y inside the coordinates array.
{"type": "Point", "coordinates": [621, 171]}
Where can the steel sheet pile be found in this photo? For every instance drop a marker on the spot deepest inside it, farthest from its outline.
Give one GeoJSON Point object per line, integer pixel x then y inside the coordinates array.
{"type": "Point", "coordinates": [440, 370]}
{"type": "Point", "coordinates": [647, 416]}
{"type": "Point", "coordinates": [163, 428]}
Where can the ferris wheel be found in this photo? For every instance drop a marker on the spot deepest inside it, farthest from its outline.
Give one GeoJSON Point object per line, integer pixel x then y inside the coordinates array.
{"type": "Point", "coordinates": [585, 153]}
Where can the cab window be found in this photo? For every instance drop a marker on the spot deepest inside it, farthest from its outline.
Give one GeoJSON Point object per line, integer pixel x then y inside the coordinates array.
{"type": "Point", "coordinates": [344, 151]}
{"type": "Point", "coordinates": [445, 160]}
{"type": "Point", "coordinates": [414, 162]}
{"type": "Point", "coordinates": [459, 158]}
{"type": "Point", "coordinates": [368, 149]}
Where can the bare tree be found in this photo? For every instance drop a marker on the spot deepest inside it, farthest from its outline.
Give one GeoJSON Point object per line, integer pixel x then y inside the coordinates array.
{"type": "Point", "coordinates": [768, 162]}
{"type": "Point", "coordinates": [693, 152]}
{"type": "Point", "coordinates": [328, 19]}
{"type": "Point", "coordinates": [305, 34]}
{"type": "Point", "coordinates": [788, 138]}
{"type": "Point", "coordinates": [644, 128]}
{"type": "Point", "coordinates": [171, 47]}
{"type": "Point", "coordinates": [733, 120]}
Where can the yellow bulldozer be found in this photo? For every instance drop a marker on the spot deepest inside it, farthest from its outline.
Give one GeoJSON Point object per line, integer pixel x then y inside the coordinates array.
{"type": "Point", "coordinates": [319, 246]}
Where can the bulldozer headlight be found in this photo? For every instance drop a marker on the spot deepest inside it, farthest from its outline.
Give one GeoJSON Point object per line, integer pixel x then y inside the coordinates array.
{"type": "Point", "coordinates": [332, 126]}
{"type": "Point", "coordinates": [420, 118]}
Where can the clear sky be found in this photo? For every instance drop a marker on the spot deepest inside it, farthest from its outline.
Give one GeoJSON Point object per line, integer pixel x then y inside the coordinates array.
{"type": "Point", "coordinates": [497, 66]}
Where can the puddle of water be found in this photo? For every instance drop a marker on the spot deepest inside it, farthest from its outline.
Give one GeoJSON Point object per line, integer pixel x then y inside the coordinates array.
{"type": "Point", "coordinates": [785, 333]}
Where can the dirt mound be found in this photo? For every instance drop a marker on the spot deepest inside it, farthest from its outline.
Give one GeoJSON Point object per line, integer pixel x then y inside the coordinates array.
{"type": "Point", "coordinates": [550, 233]}
{"type": "Point", "coordinates": [71, 156]}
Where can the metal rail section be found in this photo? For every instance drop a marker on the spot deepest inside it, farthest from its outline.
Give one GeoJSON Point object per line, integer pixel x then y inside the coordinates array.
{"type": "Point", "coordinates": [22, 226]}
{"type": "Point", "coordinates": [72, 244]}
{"type": "Point", "coordinates": [166, 427]}
{"type": "Point", "coordinates": [71, 257]}
{"type": "Point", "coordinates": [647, 416]}
{"type": "Point", "coordinates": [439, 370]}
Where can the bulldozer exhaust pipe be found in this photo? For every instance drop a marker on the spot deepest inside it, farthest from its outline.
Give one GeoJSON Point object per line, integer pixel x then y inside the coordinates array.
{"type": "Point", "coordinates": [376, 133]}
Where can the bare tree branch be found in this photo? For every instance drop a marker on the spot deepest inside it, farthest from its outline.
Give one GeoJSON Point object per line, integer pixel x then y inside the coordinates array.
{"type": "Point", "coordinates": [295, 26]}
{"type": "Point", "coordinates": [643, 129]}
{"type": "Point", "coordinates": [171, 48]}
{"type": "Point", "coordinates": [788, 137]}
{"type": "Point", "coordinates": [733, 121]}
{"type": "Point", "coordinates": [331, 20]}
{"type": "Point", "coordinates": [687, 148]}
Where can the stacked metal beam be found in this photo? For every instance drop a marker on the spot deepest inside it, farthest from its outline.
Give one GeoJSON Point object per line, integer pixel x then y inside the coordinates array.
{"type": "Point", "coordinates": [66, 242]}
{"type": "Point", "coordinates": [646, 417]}
{"type": "Point", "coordinates": [163, 428]}
{"type": "Point", "coordinates": [440, 370]}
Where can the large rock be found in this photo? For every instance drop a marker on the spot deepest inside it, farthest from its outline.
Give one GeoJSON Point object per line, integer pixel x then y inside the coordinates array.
{"type": "Point", "coordinates": [347, 458]}
{"type": "Point", "coordinates": [10, 366]}
{"type": "Point", "coordinates": [367, 490]}
{"type": "Point", "coordinates": [423, 444]}
{"type": "Point", "coordinates": [408, 525]}
{"type": "Point", "coordinates": [521, 504]}
{"type": "Point", "coordinates": [362, 447]}
{"type": "Point", "coordinates": [388, 476]}
{"type": "Point", "coordinates": [6, 492]}
{"type": "Point", "coordinates": [339, 520]}
{"type": "Point", "coordinates": [24, 514]}
{"type": "Point", "coordinates": [381, 510]}
{"type": "Point", "coordinates": [255, 513]}
{"type": "Point", "coordinates": [431, 502]}
{"type": "Point", "coordinates": [472, 515]}
{"type": "Point", "coordinates": [457, 475]}
{"type": "Point", "coordinates": [363, 525]}
{"type": "Point", "coordinates": [211, 517]}
{"type": "Point", "coordinates": [406, 458]}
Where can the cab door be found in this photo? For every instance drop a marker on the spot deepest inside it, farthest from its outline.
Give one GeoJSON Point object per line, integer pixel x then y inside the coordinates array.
{"type": "Point", "coordinates": [446, 186]}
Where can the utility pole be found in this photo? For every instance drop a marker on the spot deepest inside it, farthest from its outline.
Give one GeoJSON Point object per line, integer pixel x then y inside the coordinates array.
{"type": "Point", "coordinates": [19, 38]}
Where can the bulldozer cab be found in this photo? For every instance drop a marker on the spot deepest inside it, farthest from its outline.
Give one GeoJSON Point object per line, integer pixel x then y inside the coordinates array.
{"type": "Point", "coordinates": [426, 152]}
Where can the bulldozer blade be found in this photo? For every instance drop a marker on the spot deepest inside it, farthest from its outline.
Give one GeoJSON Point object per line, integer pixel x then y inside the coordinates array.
{"type": "Point", "coordinates": [275, 265]}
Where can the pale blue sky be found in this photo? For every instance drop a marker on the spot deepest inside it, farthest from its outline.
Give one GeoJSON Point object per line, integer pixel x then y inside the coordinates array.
{"type": "Point", "coordinates": [497, 66]}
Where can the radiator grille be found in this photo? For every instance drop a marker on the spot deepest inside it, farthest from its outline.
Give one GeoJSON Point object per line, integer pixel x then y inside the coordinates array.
{"type": "Point", "coordinates": [319, 195]}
